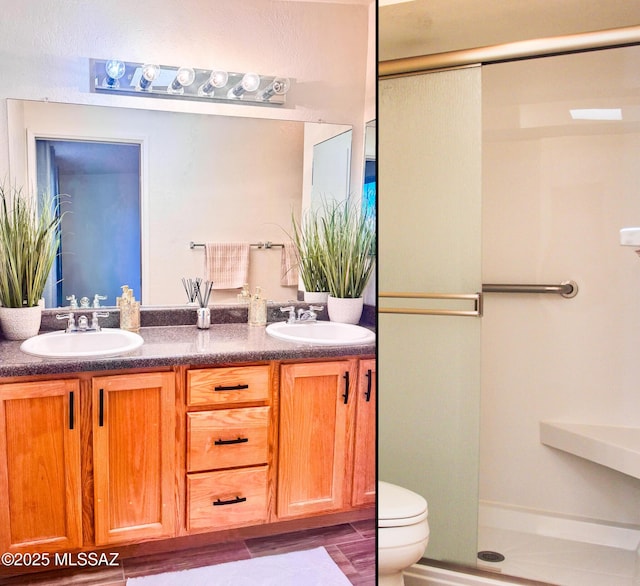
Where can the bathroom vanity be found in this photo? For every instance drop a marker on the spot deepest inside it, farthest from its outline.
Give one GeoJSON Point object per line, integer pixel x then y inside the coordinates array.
{"type": "Point", "coordinates": [198, 436]}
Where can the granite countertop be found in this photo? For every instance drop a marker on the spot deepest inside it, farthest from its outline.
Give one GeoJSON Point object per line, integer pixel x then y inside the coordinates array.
{"type": "Point", "coordinates": [173, 345]}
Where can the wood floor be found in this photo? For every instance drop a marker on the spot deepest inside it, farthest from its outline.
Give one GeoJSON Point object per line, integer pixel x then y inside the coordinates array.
{"type": "Point", "coordinates": [351, 545]}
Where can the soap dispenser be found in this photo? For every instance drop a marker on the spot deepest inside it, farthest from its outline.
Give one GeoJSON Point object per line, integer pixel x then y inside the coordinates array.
{"type": "Point", "coordinates": [129, 310]}
{"type": "Point", "coordinates": [257, 309]}
{"type": "Point", "coordinates": [244, 296]}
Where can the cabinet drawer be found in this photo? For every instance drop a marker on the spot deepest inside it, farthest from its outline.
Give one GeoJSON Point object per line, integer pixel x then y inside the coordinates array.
{"type": "Point", "coordinates": [211, 386]}
{"type": "Point", "coordinates": [225, 499]}
{"type": "Point", "coordinates": [227, 438]}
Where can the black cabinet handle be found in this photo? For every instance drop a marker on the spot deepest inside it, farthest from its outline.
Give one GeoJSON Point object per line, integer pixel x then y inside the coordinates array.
{"type": "Point", "coordinates": [101, 408]}
{"type": "Point", "coordinates": [240, 440]}
{"type": "Point", "coordinates": [71, 410]}
{"type": "Point", "coordinates": [345, 395]}
{"type": "Point", "coordinates": [231, 388]}
{"type": "Point", "coordinates": [238, 499]}
{"type": "Point", "coordinates": [367, 394]}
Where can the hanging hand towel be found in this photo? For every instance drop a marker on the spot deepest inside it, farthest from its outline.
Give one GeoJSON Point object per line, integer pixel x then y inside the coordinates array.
{"type": "Point", "coordinates": [227, 264]}
{"type": "Point", "coordinates": [288, 266]}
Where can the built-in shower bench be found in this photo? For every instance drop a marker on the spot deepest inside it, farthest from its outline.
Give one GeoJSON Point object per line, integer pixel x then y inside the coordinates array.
{"type": "Point", "coordinates": [617, 447]}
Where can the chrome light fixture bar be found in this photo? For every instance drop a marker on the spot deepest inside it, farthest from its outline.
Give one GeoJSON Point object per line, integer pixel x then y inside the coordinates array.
{"type": "Point", "coordinates": [187, 83]}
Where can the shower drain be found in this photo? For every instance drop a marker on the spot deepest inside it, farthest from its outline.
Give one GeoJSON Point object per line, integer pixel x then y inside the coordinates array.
{"type": "Point", "coordinates": [490, 556]}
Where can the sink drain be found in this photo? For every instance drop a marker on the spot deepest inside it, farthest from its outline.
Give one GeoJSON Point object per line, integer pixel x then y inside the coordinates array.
{"type": "Point", "coordinates": [490, 556]}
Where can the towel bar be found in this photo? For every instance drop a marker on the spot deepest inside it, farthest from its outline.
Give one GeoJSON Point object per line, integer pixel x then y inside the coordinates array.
{"type": "Point", "coordinates": [475, 297]}
{"type": "Point", "coordinates": [264, 245]}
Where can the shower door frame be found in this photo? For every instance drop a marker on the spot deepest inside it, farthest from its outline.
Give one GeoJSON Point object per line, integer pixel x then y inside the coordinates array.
{"type": "Point", "coordinates": [566, 44]}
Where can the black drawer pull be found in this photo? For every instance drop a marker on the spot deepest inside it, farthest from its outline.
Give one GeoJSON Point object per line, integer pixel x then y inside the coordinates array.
{"type": "Point", "coordinates": [235, 501]}
{"type": "Point", "coordinates": [240, 440]}
{"type": "Point", "coordinates": [345, 395]}
{"type": "Point", "coordinates": [231, 388]}
{"type": "Point", "coordinates": [367, 394]}
{"type": "Point", "coordinates": [71, 410]}
{"type": "Point", "coordinates": [101, 408]}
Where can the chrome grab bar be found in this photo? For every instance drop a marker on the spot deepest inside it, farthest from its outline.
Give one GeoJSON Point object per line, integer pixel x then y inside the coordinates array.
{"type": "Point", "coordinates": [567, 289]}
{"type": "Point", "coordinates": [475, 297]}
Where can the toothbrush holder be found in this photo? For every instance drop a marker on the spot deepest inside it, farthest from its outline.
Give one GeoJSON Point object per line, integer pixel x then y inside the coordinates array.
{"type": "Point", "coordinates": [204, 318]}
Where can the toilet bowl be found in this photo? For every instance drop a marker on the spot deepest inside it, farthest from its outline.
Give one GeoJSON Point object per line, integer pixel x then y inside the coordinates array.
{"type": "Point", "coordinates": [403, 531]}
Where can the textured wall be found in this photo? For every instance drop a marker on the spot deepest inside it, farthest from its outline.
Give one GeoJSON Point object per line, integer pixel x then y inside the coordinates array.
{"type": "Point", "coordinates": [46, 45]}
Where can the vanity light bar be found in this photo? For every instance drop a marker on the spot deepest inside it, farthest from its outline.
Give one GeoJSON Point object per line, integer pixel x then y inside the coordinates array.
{"type": "Point", "coordinates": [186, 83]}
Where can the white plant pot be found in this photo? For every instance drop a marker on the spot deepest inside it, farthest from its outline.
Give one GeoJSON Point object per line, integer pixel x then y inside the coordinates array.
{"type": "Point", "coordinates": [20, 323]}
{"type": "Point", "coordinates": [345, 310]}
{"type": "Point", "coordinates": [316, 296]}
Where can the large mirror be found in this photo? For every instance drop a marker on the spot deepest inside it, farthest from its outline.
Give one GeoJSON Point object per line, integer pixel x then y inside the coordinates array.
{"type": "Point", "coordinates": [369, 187]}
{"type": "Point", "coordinates": [201, 178]}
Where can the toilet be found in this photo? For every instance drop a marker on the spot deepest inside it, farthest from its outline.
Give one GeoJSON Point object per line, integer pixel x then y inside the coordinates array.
{"type": "Point", "coordinates": [403, 531]}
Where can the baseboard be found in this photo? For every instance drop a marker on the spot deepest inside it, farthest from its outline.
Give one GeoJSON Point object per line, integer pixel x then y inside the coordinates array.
{"type": "Point", "coordinates": [536, 522]}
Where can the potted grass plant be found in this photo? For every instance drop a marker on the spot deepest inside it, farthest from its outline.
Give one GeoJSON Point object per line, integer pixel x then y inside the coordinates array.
{"type": "Point", "coordinates": [348, 239]}
{"type": "Point", "coordinates": [29, 235]}
{"type": "Point", "coordinates": [307, 239]}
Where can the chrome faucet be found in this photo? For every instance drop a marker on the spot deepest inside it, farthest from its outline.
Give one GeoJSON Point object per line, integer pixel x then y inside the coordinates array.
{"type": "Point", "coordinates": [309, 314]}
{"type": "Point", "coordinates": [304, 315]}
{"type": "Point", "coordinates": [71, 323]}
{"type": "Point", "coordinates": [95, 326]}
{"type": "Point", "coordinates": [85, 302]}
{"type": "Point", "coordinates": [97, 298]}
{"type": "Point", "coordinates": [292, 313]}
{"type": "Point", "coordinates": [83, 322]}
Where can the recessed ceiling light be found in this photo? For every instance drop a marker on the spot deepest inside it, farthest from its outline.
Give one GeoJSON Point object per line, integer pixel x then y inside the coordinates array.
{"type": "Point", "coordinates": [596, 114]}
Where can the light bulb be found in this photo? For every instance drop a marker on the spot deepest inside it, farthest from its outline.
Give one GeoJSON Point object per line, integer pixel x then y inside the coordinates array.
{"type": "Point", "coordinates": [249, 83]}
{"type": "Point", "coordinates": [279, 86]}
{"type": "Point", "coordinates": [184, 77]}
{"type": "Point", "coordinates": [217, 79]}
{"type": "Point", "coordinates": [148, 75]}
{"type": "Point", "coordinates": [115, 70]}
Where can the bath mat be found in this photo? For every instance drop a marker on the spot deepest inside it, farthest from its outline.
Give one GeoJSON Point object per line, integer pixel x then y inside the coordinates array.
{"type": "Point", "coordinates": [313, 567]}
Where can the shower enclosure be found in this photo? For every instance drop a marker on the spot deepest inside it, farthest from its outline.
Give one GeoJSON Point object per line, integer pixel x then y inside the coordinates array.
{"type": "Point", "coordinates": [534, 164]}
{"type": "Point", "coordinates": [429, 241]}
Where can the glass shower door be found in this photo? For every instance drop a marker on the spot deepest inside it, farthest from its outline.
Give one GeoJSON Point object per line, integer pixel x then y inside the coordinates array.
{"type": "Point", "coordinates": [429, 242]}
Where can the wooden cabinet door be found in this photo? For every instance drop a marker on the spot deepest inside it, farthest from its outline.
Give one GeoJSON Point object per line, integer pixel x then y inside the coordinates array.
{"type": "Point", "coordinates": [134, 459]}
{"type": "Point", "coordinates": [40, 489]}
{"type": "Point", "coordinates": [364, 447]}
{"type": "Point", "coordinates": [316, 408]}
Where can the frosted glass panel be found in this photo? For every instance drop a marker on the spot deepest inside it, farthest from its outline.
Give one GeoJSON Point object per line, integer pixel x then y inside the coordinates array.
{"type": "Point", "coordinates": [429, 241]}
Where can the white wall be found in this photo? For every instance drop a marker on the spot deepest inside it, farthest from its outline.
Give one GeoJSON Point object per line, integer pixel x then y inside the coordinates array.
{"type": "Point", "coordinates": [556, 193]}
{"type": "Point", "coordinates": [372, 66]}
{"type": "Point", "coordinates": [326, 48]}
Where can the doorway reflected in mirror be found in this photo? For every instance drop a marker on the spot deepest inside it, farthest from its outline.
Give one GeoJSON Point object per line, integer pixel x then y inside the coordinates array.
{"type": "Point", "coordinates": [100, 231]}
{"type": "Point", "coordinates": [370, 173]}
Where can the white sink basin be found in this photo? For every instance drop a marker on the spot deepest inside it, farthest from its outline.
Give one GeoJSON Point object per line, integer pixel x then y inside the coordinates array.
{"type": "Point", "coordinates": [321, 332]}
{"type": "Point", "coordinates": [107, 342]}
